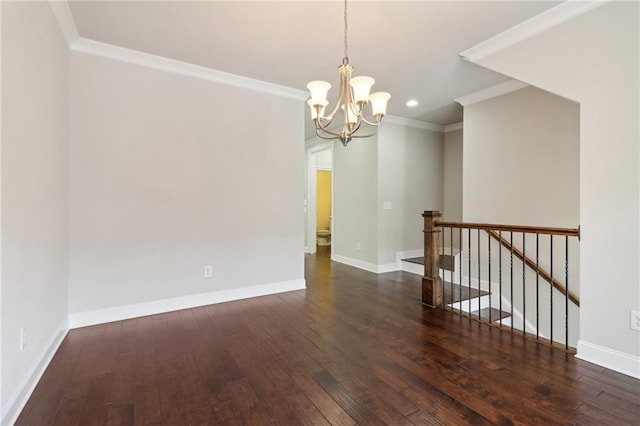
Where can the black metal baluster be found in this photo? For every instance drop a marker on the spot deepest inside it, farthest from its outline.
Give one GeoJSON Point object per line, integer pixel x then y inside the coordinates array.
{"type": "Point", "coordinates": [489, 272]}
{"type": "Point", "coordinates": [511, 274]}
{"type": "Point", "coordinates": [452, 265]}
{"type": "Point", "coordinates": [441, 270]}
{"type": "Point", "coordinates": [469, 283]}
{"type": "Point", "coordinates": [524, 285]}
{"type": "Point", "coordinates": [479, 286]}
{"type": "Point", "coordinates": [537, 287]}
{"type": "Point", "coordinates": [460, 278]}
{"type": "Point", "coordinates": [566, 293]}
{"type": "Point", "coordinates": [551, 292]}
{"type": "Point", "coordinates": [500, 274]}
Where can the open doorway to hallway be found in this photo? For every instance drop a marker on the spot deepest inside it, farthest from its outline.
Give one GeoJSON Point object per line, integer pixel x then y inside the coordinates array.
{"type": "Point", "coordinates": [319, 205]}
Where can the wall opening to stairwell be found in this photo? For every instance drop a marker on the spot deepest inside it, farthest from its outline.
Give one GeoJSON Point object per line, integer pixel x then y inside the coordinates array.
{"type": "Point", "coordinates": [521, 157]}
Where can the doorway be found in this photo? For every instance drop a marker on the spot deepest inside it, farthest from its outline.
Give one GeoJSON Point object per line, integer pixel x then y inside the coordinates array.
{"type": "Point", "coordinates": [318, 203]}
{"type": "Point", "coordinates": [323, 208]}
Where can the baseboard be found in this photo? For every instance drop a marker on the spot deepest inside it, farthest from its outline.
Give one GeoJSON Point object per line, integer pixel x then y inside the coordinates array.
{"type": "Point", "coordinates": [23, 392]}
{"type": "Point", "coordinates": [356, 263]}
{"type": "Point", "coordinates": [361, 264]}
{"type": "Point", "coordinates": [118, 313]}
{"type": "Point", "coordinates": [388, 267]}
{"type": "Point", "coordinates": [609, 358]}
{"type": "Point", "coordinates": [310, 250]}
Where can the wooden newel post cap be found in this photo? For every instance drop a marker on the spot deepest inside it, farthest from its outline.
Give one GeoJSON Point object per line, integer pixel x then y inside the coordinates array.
{"type": "Point", "coordinates": [431, 213]}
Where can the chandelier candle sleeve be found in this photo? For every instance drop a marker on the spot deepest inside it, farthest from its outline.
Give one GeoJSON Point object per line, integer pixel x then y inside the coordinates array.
{"type": "Point", "coordinates": [353, 97]}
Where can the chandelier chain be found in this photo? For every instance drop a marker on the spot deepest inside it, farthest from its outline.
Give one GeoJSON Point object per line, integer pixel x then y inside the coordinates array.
{"type": "Point", "coordinates": [346, 49]}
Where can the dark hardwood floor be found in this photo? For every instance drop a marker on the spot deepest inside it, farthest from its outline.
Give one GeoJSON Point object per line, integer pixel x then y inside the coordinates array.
{"type": "Point", "coordinates": [354, 348]}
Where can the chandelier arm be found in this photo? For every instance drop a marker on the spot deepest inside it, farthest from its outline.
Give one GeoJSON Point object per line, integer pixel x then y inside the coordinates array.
{"type": "Point", "coordinates": [338, 101]}
{"type": "Point", "coordinates": [329, 138]}
{"type": "Point", "coordinates": [324, 122]}
{"type": "Point", "coordinates": [322, 129]}
{"type": "Point", "coordinates": [364, 136]}
{"type": "Point", "coordinates": [325, 127]}
{"type": "Point", "coordinates": [333, 113]}
{"type": "Point", "coordinates": [355, 107]}
{"type": "Point", "coordinates": [356, 126]}
{"type": "Point", "coordinates": [376, 124]}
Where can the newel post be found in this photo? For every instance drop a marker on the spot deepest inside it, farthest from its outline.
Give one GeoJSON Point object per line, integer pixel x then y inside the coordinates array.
{"type": "Point", "coordinates": [431, 282]}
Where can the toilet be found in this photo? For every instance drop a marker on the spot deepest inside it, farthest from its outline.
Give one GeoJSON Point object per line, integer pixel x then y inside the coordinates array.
{"type": "Point", "coordinates": [324, 237]}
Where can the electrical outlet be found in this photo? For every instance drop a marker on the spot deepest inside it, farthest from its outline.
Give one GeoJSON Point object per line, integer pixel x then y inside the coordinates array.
{"type": "Point", "coordinates": [23, 339]}
{"type": "Point", "coordinates": [208, 271]}
{"type": "Point", "coordinates": [635, 320]}
{"type": "Point", "coordinates": [358, 246]}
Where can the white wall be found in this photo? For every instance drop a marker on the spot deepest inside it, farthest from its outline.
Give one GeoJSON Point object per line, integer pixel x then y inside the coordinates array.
{"type": "Point", "coordinates": [355, 200]}
{"type": "Point", "coordinates": [521, 160]}
{"type": "Point", "coordinates": [401, 166]}
{"type": "Point", "coordinates": [167, 176]}
{"type": "Point", "coordinates": [410, 179]}
{"type": "Point", "coordinates": [593, 59]}
{"type": "Point", "coordinates": [453, 168]}
{"type": "Point", "coordinates": [34, 194]}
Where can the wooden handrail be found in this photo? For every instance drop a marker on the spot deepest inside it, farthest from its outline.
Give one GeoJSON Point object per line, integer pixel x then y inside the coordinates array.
{"type": "Point", "coordinates": [432, 296]}
{"type": "Point", "coordinates": [531, 264]}
{"type": "Point", "coordinates": [570, 232]}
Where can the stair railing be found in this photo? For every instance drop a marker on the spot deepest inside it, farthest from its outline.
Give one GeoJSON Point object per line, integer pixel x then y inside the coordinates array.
{"type": "Point", "coordinates": [499, 274]}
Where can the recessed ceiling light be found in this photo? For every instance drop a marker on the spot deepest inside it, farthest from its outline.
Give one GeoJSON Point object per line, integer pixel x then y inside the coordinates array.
{"type": "Point", "coordinates": [412, 103]}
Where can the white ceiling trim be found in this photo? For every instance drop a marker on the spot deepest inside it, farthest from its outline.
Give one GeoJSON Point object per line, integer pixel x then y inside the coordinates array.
{"type": "Point", "coordinates": [392, 119]}
{"type": "Point", "coordinates": [529, 28]}
{"type": "Point", "coordinates": [491, 92]}
{"type": "Point", "coordinates": [97, 48]}
{"type": "Point", "coordinates": [315, 142]}
{"type": "Point", "coordinates": [453, 127]}
{"type": "Point", "coordinates": [65, 20]}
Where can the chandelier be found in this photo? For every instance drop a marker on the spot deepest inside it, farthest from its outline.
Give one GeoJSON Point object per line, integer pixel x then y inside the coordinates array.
{"type": "Point", "coordinates": [353, 97]}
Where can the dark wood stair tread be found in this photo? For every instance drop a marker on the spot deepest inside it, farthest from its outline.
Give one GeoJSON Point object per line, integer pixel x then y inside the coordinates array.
{"type": "Point", "coordinates": [446, 261]}
{"type": "Point", "coordinates": [418, 260]}
{"type": "Point", "coordinates": [496, 314]}
{"type": "Point", "coordinates": [455, 293]}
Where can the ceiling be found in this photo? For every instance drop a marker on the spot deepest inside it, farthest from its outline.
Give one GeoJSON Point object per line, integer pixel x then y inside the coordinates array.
{"type": "Point", "coordinates": [410, 48]}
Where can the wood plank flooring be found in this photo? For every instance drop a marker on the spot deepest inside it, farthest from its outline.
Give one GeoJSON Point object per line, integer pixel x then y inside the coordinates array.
{"type": "Point", "coordinates": [354, 348]}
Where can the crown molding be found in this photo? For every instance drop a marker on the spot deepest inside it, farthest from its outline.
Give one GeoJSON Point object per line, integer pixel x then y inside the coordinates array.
{"type": "Point", "coordinates": [316, 141]}
{"type": "Point", "coordinates": [531, 27]}
{"type": "Point", "coordinates": [453, 127]}
{"type": "Point", "coordinates": [491, 92]}
{"type": "Point", "coordinates": [106, 50]}
{"type": "Point", "coordinates": [401, 121]}
{"type": "Point", "coordinates": [65, 20]}
{"type": "Point", "coordinates": [67, 25]}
